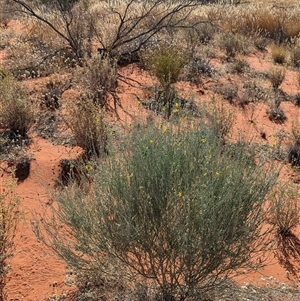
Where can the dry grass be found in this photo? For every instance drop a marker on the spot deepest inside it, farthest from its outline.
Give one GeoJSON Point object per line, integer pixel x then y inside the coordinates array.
{"type": "Point", "coordinates": [88, 126]}
{"type": "Point", "coordinates": [276, 76]}
{"type": "Point", "coordinates": [279, 54]}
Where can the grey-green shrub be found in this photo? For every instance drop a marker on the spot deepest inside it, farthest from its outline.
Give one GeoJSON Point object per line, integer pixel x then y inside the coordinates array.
{"type": "Point", "coordinates": [176, 205]}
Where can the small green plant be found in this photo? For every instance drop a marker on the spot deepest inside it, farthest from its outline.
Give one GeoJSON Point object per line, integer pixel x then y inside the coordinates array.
{"type": "Point", "coordinates": [17, 114]}
{"type": "Point", "coordinates": [276, 76]}
{"type": "Point", "coordinates": [89, 128]}
{"type": "Point", "coordinates": [9, 215]}
{"type": "Point", "coordinates": [166, 63]}
{"type": "Point", "coordinates": [279, 54]}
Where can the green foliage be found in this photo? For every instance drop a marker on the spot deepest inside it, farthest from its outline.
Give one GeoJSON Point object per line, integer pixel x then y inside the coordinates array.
{"type": "Point", "coordinates": [17, 113]}
{"type": "Point", "coordinates": [175, 205]}
{"type": "Point", "coordinates": [166, 64]}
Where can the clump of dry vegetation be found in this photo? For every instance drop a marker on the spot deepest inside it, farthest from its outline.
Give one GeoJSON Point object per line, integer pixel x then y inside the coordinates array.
{"type": "Point", "coordinates": [89, 128]}
{"type": "Point", "coordinates": [276, 77]}
{"type": "Point", "coordinates": [279, 54]}
{"type": "Point", "coordinates": [9, 216]}
{"type": "Point", "coordinates": [17, 114]}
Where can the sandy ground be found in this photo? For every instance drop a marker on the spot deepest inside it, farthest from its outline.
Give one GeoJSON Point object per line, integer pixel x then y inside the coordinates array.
{"type": "Point", "coordinates": [36, 273]}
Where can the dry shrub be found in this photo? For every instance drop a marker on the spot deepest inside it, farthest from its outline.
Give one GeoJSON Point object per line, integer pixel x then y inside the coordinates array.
{"type": "Point", "coordinates": [17, 114]}
{"type": "Point", "coordinates": [100, 78]}
{"type": "Point", "coordinates": [276, 76]}
{"type": "Point", "coordinates": [295, 55]}
{"type": "Point", "coordinates": [89, 128]}
{"type": "Point", "coordinates": [294, 149]}
{"type": "Point", "coordinates": [41, 35]}
{"type": "Point", "coordinates": [286, 210]}
{"type": "Point", "coordinates": [233, 44]}
{"type": "Point", "coordinates": [286, 217]}
{"type": "Point", "coordinates": [239, 65]}
{"type": "Point", "coordinates": [276, 113]}
{"type": "Point", "coordinates": [9, 216]}
{"type": "Point", "coordinates": [279, 53]}
{"type": "Point", "coordinates": [277, 23]}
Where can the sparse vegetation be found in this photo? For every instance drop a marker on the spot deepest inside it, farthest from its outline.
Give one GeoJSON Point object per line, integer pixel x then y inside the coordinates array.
{"type": "Point", "coordinates": [295, 56]}
{"type": "Point", "coordinates": [17, 113]}
{"type": "Point", "coordinates": [233, 44]}
{"type": "Point", "coordinates": [99, 80]}
{"type": "Point", "coordinates": [9, 216]}
{"type": "Point", "coordinates": [276, 113]}
{"type": "Point", "coordinates": [286, 217]}
{"type": "Point", "coordinates": [279, 54]}
{"type": "Point", "coordinates": [89, 128]}
{"type": "Point", "coordinates": [161, 206]}
{"type": "Point", "coordinates": [276, 76]}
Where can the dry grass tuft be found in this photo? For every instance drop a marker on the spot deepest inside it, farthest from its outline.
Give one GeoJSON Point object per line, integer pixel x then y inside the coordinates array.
{"type": "Point", "coordinates": [279, 53]}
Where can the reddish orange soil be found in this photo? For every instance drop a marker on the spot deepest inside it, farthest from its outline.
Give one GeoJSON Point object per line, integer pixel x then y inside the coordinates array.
{"type": "Point", "coordinates": [35, 272]}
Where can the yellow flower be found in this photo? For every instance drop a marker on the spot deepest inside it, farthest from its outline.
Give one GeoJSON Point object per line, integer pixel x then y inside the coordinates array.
{"type": "Point", "coordinates": [203, 140]}
{"type": "Point", "coordinates": [179, 194]}
{"type": "Point", "coordinates": [274, 143]}
{"type": "Point", "coordinates": [151, 141]}
{"type": "Point", "coordinates": [177, 105]}
{"type": "Point", "coordinates": [217, 173]}
{"type": "Point", "coordinates": [89, 167]}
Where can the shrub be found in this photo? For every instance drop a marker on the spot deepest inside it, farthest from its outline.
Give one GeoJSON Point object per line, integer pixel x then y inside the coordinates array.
{"type": "Point", "coordinates": [295, 56]}
{"type": "Point", "coordinates": [286, 216]}
{"type": "Point", "coordinates": [9, 215]}
{"type": "Point", "coordinates": [88, 126]}
{"type": "Point", "coordinates": [276, 114]}
{"type": "Point", "coordinates": [122, 28]}
{"type": "Point", "coordinates": [276, 76]}
{"type": "Point", "coordinates": [100, 79]}
{"type": "Point", "coordinates": [239, 66]}
{"type": "Point", "coordinates": [279, 53]}
{"type": "Point", "coordinates": [166, 63]}
{"type": "Point", "coordinates": [297, 100]}
{"type": "Point", "coordinates": [17, 113]}
{"type": "Point", "coordinates": [175, 205]}
{"type": "Point", "coordinates": [233, 44]}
